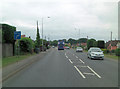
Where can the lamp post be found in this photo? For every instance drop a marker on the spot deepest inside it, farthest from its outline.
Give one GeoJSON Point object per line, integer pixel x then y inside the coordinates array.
{"type": "Point", "coordinates": [42, 32]}
{"type": "Point", "coordinates": [79, 34]}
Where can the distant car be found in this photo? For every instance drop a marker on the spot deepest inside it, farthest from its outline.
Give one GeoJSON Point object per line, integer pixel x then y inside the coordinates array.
{"type": "Point", "coordinates": [67, 47]}
{"type": "Point", "coordinates": [79, 49]}
{"type": "Point", "coordinates": [95, 53]}
{"type": "Point", "coordinates": [53, 46]}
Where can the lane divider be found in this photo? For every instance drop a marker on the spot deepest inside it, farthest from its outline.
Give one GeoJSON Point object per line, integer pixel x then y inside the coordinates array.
{"type": "Point", "coordinates": [81, 61]}
{"type": "Point", "coordinates": [94, 72]}
{"type": "Point", "coordinates": [76, 56]}
{"type": "Point", "coordinates": [79, 72]}
{"type": "Point", "coordinates": [70, 61]}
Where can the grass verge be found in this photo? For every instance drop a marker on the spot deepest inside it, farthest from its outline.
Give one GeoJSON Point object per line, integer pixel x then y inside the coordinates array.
{"type": "Point", "coordinates": [9, 60]}
{"type": "Point", "coordinates": [111, 56]}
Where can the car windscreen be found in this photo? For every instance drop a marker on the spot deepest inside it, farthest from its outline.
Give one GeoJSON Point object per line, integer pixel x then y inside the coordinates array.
{"type": "Point", "coordinates": [96, 50]}
{"type": "Point", "coordinates": [79, 48]}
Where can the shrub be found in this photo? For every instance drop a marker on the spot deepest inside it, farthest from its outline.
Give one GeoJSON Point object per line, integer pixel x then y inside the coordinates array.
{"type": "Point", "coordinates": [117, 52]}
{"type": "Point", "coordinates": [26, 44]}
{"type": "Point", "coordinates": [113, 51]}
{"type": "Point", "coordinates": [105, 51]}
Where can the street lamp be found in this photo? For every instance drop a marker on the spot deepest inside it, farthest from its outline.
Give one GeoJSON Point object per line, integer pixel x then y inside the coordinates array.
{"type": "Point", "coordinates": [42, 32]}
{"type": "Point", "coordinates": [79, 33]}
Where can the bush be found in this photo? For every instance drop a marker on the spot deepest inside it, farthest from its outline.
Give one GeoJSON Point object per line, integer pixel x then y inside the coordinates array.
{"type": "Point", "coordinates": [113, 51]}
{"type": "Point", "coordinates": [26, 44]}
{"type": "Point", "coordinates": [101, 44]}
{"type": "Point", "coordinates": [105, 51]}
{"type": "Point", "coordinates": [117, 52]}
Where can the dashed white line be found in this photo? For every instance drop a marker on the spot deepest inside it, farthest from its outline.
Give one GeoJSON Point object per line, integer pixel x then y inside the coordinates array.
{"type": "Point", "coordinates": [94, 72]}
{"type": "Point", "coordinates": [70, 61]}
{"type": "Point", "coordinates": [76, 57]}
{"type": "Point", "coordinates": [79, 72]}
{"type": "Point", "coordinates": [81, 61]}
{"type": "Point", "coordinates": [66, 56]}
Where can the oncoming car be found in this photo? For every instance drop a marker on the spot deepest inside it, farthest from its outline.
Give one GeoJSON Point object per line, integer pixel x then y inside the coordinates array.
{"type": "Point", "coordinates": [79, 49]}
{"type": "Point", "coordinates": [95, 53]}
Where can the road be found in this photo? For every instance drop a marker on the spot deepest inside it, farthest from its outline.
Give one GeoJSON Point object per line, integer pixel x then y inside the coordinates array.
{"type": "Point", "coordinates": [66, 68]}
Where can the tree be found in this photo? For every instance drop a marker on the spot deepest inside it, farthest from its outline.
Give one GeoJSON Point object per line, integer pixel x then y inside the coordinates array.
{"type": "Point", "coordinates": [72, 41]}
{"type": "Point", "coordinates": [37, 42]}
{"type": "Point", "coordinates": [8, 33]}
{"type": "Point", "coordinates": [55, 43]}
{"type": "Point", "coordinates": [91, 43]}
{"type": "Point", "coordinates": [101, 44]}
{"type": "Point", "coordinates": [82, 40]}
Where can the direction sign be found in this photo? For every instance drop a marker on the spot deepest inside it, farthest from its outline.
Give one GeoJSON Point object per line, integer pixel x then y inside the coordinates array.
{"type": "Point", "coordinates": [17, 35]}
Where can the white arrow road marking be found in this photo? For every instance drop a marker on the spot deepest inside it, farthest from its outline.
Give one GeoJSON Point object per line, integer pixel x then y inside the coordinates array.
{"type": "Point", "coordinates": [94, 72]}
{"type": "Point", "coordinates": [79, 72]}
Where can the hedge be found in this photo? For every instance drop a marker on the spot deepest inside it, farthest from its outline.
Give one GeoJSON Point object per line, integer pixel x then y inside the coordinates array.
{"type": "Point", "coordinates": [117, 52]}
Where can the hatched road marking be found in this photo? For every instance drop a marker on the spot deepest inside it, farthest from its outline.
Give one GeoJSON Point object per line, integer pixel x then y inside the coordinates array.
{"type": "Point", "coordinates": [81, 61]}
{"type": "Point", "coordinates": [94, 72]}
{"type": "Point", "coordinates": [79, 72]}
{"type": "Point", "coordinates": [70, 61]}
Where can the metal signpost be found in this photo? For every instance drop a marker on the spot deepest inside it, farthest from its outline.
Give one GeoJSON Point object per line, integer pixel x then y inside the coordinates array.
{"type": "Point", "coordinates": [17, 36]}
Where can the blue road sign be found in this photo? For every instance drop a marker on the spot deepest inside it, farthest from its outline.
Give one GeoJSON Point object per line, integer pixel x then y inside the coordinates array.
{"type": "Point", "coordinates": [17, 35]}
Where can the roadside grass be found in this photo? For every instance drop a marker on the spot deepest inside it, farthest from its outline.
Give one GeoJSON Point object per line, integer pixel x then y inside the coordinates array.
{"type": "Point", "coordinates": [111, 56]}
{"type": "Point", "coordinates": [9, 60]}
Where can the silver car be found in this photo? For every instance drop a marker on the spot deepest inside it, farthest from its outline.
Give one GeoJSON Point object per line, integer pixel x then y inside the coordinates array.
{"type": "Point", "coordinates": [95, 53]}
{"type": "Point", "coordinates": [79, 49]}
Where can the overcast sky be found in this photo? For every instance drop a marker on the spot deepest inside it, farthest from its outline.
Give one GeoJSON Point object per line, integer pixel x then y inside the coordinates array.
{"type": "Point", "coordinates": [95, 18]}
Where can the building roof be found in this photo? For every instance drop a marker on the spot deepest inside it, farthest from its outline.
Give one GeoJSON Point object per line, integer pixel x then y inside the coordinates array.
{"type": "Point", "coordinates": [113, 43]}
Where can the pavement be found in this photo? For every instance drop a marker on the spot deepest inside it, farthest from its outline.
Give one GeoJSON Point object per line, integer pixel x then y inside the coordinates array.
{"type": "Point", "coordinates": [66, 68]}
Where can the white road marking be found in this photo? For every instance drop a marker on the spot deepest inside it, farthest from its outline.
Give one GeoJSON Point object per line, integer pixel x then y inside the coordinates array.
{"type": "Point", "coordinates": [79, 72]}
{"type": "Point", "coordinates": [70, 61]}
{"type": "Point", "coordinates": [89, 73]}
{"type": "Point", "coordinates": [81, 66]}
{"type": "Point", "coordinates": [94, 72]}
{"type": "Point", "coordinates": [76, 56]}
{"type": "Point", "coordinates": [81, 61]}
{"type": "Point", "coordinates": [66, 56]}
{"type": "Point", "coordinates": [73, 54]}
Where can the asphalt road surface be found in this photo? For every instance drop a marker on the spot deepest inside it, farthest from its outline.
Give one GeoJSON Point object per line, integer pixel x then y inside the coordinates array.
{"type": "Point", "coordinates": [66, 68]}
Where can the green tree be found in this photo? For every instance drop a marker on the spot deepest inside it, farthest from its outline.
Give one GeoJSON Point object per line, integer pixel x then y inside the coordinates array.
{"type": "Point", "coordinates": [91, 43]}
{"type": "Point", "coordinates": [37, 42]}
{"type": "Point", "coordinates": [72, 41]}
{"type": "Point", "coordinates": [82, 40]}
{"type": "Point", "coordinates": [8, 33]}
{"type": "Point", "coordinates": [101, 44]}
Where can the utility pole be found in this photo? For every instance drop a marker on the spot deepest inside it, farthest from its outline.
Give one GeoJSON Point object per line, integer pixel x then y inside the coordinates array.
{"type": "Point", "coordinates": [111, 43]}
{"type": "Point", "coordinates": [79, 37]}
{"type": "Point", "coordinates": [42, 33]}
{"type": "Point", "coordinates": [111, 35]}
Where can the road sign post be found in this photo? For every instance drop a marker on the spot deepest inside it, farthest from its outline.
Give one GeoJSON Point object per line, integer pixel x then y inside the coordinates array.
{"type": "Point", "coordinates": [17, 36]}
